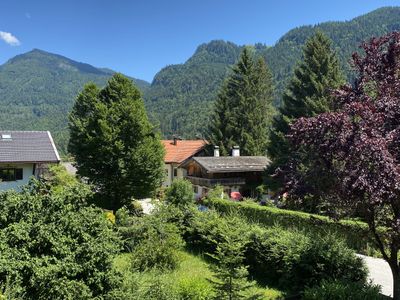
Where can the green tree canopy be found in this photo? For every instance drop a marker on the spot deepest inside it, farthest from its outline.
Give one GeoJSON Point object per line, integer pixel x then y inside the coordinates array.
{"type": "Point", "coordinates": [114, 144]}
{"type": "Point", "coordinates": [243, 110]}
{"type": "Point", "coordinates": [307, 94]}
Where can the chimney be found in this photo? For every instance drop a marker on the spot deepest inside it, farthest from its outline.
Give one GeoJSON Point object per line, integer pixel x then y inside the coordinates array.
{"type": "Point", "coordinates": [235, 151]}
{"type": "Point", "coordinates": [216, 151]}
{"type": "Point", "coordinates": [176, 139]}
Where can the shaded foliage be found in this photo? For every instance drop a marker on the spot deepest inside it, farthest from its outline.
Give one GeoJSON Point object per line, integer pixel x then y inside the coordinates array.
{"type": "Point", "coordinates": [360, 145]}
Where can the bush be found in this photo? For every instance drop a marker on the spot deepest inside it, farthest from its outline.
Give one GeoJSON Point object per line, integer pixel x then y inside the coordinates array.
{"type": "Point", "coordinates": [194, 289]}
{"type": "Point", "coordinates": [159, 289]}
{"type": "Point", "coordinates": [207, 229]}
{"type": "Point", "coordinates": [53, 244]}
{"type": "Point", "coordinates": [180, 193]}
{"type": "Point", "coordinates": [356, 234]}
{"type": "Point", "coordinates": [135, 208]}
{"type": "Point", "coordinates": [217, 193]}
{"type": "Point", "coordinates": [290, 259]}
{"type": "Point", "coordinates": [342, 290]}
{"type": "Point", "coordinates": [155, 244]}
{"type": "Point", "coordinates": [272, 252]}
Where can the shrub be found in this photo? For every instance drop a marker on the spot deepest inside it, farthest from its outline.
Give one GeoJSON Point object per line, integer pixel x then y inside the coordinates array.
{"type": "Point", "coordinates": [110, 216]}
{"type": "Point", "coordinates": [355, 234]}
{"type": "Point", "coordinates": [292, 259]}
{"type": "Point", "coordinates": [180, 193]}
{"type": "Point", "coordinates": [122, 217]}
{"type": "Point", "coordinates": [327, 257]}
{"type": "Point", "coordinates": [53, 244]}
{"type": "Point", "coordinates": [155, 244]}
{"type": "Point", "coordinates": [272, 252]}
{"type": "Point", "coordinates": [159, 289]}
{"type": "Point", "coordinates": [343, 290]}
{"type": "Point", "coordinates": [217, 193]}
{"type": "Point", "coordinates": [135, 208]}
{"type": "Point", "coordinates": [194, 289]}
{"type": "Point", "coordinates": [207, 229]}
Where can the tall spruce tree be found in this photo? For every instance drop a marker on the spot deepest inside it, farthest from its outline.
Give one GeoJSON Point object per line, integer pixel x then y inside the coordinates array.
{"type": "Point", "coordinates": [308, 94]}
{"type": "Point", "coordinates": [243, 110]}
{"type": "Point", "coordinates": [114, 144]}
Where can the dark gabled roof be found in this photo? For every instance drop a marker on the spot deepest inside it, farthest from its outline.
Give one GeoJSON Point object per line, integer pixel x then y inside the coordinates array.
{"type": "Point", "coordinates": [27, 146]}
{"type": "Point", "coordinates": [225, 164]}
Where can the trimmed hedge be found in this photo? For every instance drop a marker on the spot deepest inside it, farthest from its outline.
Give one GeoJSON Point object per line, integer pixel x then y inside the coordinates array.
{"type": "Point", "coordinates": [355, 233]}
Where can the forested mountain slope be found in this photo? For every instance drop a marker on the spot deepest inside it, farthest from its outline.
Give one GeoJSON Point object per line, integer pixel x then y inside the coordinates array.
{"type": "Point", "coordinates": [181, 96]}
{"type": "Point", "coordinates": [37, 90]}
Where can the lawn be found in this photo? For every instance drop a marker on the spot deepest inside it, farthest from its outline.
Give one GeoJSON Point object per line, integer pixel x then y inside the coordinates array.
{"type": "Point", "coordinates": [190, 278]}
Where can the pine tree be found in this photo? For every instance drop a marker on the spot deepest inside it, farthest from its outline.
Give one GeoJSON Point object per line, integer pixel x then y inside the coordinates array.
{"type": "Point", "coordinates": [243, 110]}
{"type": "Point", "coordinates": [229, 271]}
{"type": "Point", "coordinates": [308, 94]}
{"type": "Point", "coordinates": [114, 144]}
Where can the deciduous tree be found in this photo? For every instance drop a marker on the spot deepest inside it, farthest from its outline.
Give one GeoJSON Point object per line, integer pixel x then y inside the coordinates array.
{"type": "Point", "coordinates": [114, 144]}
{"type": "Point", "coordinates": [360, 144]}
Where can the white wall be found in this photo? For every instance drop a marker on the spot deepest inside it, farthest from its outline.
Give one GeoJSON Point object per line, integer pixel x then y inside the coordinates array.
{"type": "Point", "coordinates": [169, 174]}
{"type": "Point", "coordinates": [167, 178]}
{"type": "Point", "coordinates": [16, 185]}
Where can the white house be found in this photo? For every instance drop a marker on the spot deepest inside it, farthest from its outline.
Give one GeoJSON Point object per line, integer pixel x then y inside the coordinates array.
{"type": "Point", "coordinates": [176, 153]}
{"type": "Point", "coordinates": [24, 154]}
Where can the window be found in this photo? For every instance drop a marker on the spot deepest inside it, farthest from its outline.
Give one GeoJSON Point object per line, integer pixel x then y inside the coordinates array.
{"type": "Point", "coordinates": [11, 174]}
{"type": "Point", "coordinates": [6, 137]}
{"type": "Point", "coordinates": [175, 172]}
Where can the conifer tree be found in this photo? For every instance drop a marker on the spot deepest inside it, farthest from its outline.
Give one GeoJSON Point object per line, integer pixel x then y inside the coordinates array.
{"type": "Point", "coordinates": [230, 273]}
{"type": "Point", "coordinates": [308, 94]}
{"type": "Point", "coordinates": [243, 110]}
{"type": "Point", "coordinates": [114, 144]}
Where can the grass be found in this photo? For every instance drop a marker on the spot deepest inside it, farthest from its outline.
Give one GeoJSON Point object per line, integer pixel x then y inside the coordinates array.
{"type": "Point", "coordinates": [192, 274]}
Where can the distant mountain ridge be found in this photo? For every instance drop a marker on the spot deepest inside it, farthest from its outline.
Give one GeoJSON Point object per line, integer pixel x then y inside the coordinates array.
{"type": "Point", "coordinates": [181, 96]}
{"type": "Point", "coordinates": [37, 89]}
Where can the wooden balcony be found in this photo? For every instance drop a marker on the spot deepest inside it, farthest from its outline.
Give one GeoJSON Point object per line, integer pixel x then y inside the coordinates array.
{"type": "Point", "coordinates": [213, 182]}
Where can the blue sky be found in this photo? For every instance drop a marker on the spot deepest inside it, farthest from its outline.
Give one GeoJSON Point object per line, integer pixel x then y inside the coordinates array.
{"type": "Point", "coordinates": [138, 38]}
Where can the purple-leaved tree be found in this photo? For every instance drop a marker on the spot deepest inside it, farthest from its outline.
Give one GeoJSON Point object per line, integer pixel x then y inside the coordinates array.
{"type": "Point", "coordinates": [360, 144]}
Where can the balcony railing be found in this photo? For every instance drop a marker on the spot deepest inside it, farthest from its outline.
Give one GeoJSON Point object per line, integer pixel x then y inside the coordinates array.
{"type": "Point", "coordinates": [217, 181]}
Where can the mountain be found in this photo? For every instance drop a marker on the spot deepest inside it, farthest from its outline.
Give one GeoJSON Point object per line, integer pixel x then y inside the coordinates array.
{"type": "Point", "coordinates": [37, 90]}
{"type": "Point", "coordinates": [181, 96]}
{"type": "Point", "coordinates": [346, 37]}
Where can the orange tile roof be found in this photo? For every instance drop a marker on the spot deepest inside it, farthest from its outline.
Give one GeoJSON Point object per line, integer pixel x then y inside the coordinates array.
{"type": "Point", "coordinates": [183, 150]}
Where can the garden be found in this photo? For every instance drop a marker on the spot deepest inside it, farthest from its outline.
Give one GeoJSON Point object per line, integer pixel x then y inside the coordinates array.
{"type": "Point", "coordinates": [56, 244]}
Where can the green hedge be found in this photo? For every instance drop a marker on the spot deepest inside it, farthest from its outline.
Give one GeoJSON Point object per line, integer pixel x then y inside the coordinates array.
{"type": "Point", "coordinates": [355, 233]}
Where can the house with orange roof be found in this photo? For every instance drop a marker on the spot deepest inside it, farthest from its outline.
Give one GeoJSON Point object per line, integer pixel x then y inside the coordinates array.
{"type": "Point", "coordinates": [176, 153]}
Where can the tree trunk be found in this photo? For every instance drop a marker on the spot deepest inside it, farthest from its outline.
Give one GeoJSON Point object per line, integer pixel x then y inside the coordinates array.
{"type": "Point", "coordinates": [396, 280]}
